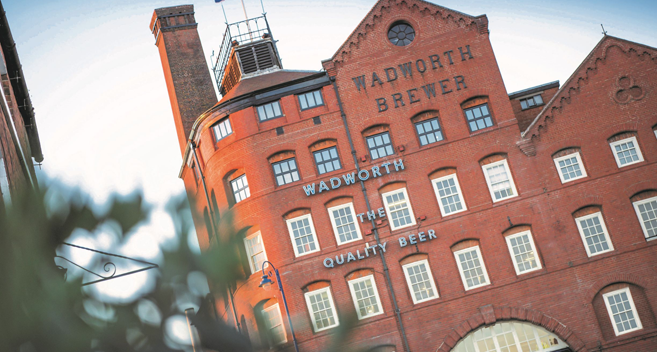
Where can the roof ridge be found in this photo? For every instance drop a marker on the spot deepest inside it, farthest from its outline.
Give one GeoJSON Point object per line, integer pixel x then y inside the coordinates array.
{"type": "Point", "coordinates": [575, 78]}
{"type": "Point", "coordinates": [365, 25]}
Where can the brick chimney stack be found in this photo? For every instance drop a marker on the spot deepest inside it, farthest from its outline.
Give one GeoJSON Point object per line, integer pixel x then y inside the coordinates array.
{"type": "Point", "coordinates": [188, 79]}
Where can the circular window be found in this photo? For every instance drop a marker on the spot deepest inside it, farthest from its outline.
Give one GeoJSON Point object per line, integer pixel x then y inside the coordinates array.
{"type": "Point", "coordinates": [401, 34]}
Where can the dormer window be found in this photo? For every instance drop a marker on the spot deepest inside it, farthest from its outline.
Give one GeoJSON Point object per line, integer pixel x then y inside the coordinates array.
{"type": "Point", "coordinates": [310, 100]}
{"type": "Point", "coordinates": [530, 102]}
{"type": "Point", "coordinates": [222, 129]}
{"type": "Point", "coordinates": [269, 111]}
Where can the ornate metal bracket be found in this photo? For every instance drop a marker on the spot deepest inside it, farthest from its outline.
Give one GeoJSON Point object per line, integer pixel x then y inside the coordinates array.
{"type": "Point", "coordinates": [108, 266]}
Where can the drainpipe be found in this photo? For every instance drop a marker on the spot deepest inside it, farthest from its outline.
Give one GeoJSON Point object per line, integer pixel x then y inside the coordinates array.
{"type": "Point", "coordinates": [369, 209]}
{"type": "Point", "coordinates": [214, 226]}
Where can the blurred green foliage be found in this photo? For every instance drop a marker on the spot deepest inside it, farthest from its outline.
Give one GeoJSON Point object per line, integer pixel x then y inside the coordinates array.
{"type": "Point", "coordinates": [40, 310]}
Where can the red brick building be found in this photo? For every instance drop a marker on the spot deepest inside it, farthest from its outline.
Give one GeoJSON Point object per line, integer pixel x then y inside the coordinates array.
{"type": "Point", "coordinates": [404, 188]}
{"type": "Point", "coordinates": [19, 137]}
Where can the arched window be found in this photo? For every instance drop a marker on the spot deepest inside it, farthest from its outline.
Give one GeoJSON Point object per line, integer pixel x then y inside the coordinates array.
{"type": "Point", "coordinates": [302, 232]}
{"type": "Point", "coordinates": [569, 164]}
{"type": "Point", "coordinates": [321, 306]}
{"type": "Point", "coordinates": [343, 220]}
{"type": "Point", "coordinates": [379, 141]}
{"type": "Point", "coordinates": [418, 275]}
{"type": "Point", "coordinates": [326, 156]}
{"type": "Point", "coordinates": [471, 266]}
{"type": "Point", "coordinates": [428, 127]}
{"type": "Point", "coordinates": [448, 191]}
{"type": "Point", "coordinates": [498, 177]}
{"type": "Point", "coordinates": [592, 228]}
{"type": "Point", "coordinates": [285, 167]}
{"type": "Point", "coordinates": [645, 205]}
{"type": "Point", "coordinates": [626, 149]}
{"type": "Point", "coordinates": [477, 114]}
{"type": "Point", "coordinates": [510, 336]}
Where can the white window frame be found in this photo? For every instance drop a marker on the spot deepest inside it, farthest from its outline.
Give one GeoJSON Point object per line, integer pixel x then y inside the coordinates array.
{"type": "Point", "coordinates": [638, 215]}
{"type": "Point", "coordinates": [312, 314]}
{"type": "Point", "coordinates": [483, 267]}
{"type": "Point", "coordinates": [579, 162]}
{"type": "Point", "coordinates": [604, 228]}
{"type": "Point", "coordinates": [513, 257]}
{"type": "Point", "coordinates": [376, 296]}
{"type": "Point", "coordinates": [280, 316]}
{"type": "Point", "coordinates": [410, 209]}
{"type": "Point", "coordinates": [335, 226]}
{"type": "Point", "coordinates": [410, 285]}
{"type": "Point", "coordinates": [458, 188]}
{"type": "Point", "coordinates": [312, 226]}
{"type": "Point", "coordinates": [488, 181]}
{"type": "Point", "coordinates": [636, 147]}
{"type": "Point", "coordinates": [250, 255]}
{"type": "Point", "coordinates": [634, 310]}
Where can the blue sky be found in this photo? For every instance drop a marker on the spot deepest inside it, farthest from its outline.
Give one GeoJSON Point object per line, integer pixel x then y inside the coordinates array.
{"type": "Point", "coordinates": [103, 111]}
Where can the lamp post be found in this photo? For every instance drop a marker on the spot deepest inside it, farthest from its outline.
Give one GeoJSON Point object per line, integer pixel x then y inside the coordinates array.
{"type": "Point", "coordinates": [266, 284]}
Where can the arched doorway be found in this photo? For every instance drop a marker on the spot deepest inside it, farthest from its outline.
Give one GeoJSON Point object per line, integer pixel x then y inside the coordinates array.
{"type": "Point", "coordinates": [511, 336]}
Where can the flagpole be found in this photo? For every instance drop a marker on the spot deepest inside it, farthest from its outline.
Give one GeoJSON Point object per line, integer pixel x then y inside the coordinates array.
{"type": "Point", "coordinates": [224, 10]}
{"type": "Point", "coordinates": [246, 17]}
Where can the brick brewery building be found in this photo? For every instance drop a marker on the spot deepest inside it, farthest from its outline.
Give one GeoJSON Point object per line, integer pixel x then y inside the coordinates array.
{"type": "Point", "coordinates": [19, 137]}
{"type": "Point", "coordinates": [403, 187]}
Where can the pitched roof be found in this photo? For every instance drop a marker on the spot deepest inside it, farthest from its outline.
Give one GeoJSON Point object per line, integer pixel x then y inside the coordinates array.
{"type": "Point", "coordinates": [253, 84]}
{"type": "Point", "coordinates": [599, 53]}
{"type": "Point", "coordinates": [375, 14]}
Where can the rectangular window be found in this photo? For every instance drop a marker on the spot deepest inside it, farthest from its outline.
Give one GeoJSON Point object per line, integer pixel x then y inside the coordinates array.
{"type": "Point", "coordinates": [530, 102]}
{"type": "Point", "coordinates": [310, 100]}
{"type": "Point", "coordinates": [472, 269]}
{"type": "Point", "coordinates": [594, 234]}
{"type": "Point", "coordinates": [399, 210]}
{"type": "Point", "coordinates": [429, 131]}
{"type": "Point", "coordinates": [222, 129]}
{"type": "Point", "coordinates": [420, 282]}
{"type": "Point", "coordinates": [626, 152]}
{"type": "Point", "coordinates": [380, 145]}
{"type": "Point", "coordinates": [478, 117]}
{"type": "Point", "coordinates": [448, 192]}
{"type": "Point", "coordinates": [523, 252]}
{"type": "Point", "coordinates": [570, 167]}
{"type": "Point", "coordinates": [269, 111]}
{"type": "Point", "coordinates": [240, 188]}
{"type": "Point", "coordinates": [274, 323]}
{"type": "Point", "coordinates": [622, 312]}
{"type": "Point", "coordinates": [366, 297]}
{"type": "Point", "coordinates": [345, 227]}
{"type": "Point", "coordinates": [327, 160]}
{"type": "Point", "coordinates": [302, 233]}
{"type": "Point", "coordinates": [499, 180]}
{"type": "Point", "coordinates": [255, 249]}
{"type": "Point", "coordinates": [321, 307]}
{"type": "Point", "coordinates": [646, 210]}
{"type": "Point", "coordinates": [286, 171]}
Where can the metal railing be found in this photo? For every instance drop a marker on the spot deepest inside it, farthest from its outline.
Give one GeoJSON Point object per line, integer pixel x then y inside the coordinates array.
{"type": "Point", "coordinates": [242, 32]}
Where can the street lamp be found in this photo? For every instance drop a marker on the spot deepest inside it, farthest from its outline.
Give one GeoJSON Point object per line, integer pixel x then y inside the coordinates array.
{"type": "Point", "coordinates": [266, 284]}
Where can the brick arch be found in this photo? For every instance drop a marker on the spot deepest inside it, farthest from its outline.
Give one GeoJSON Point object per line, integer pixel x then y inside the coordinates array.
{"type": "Point", "coordinates": [585, 201]}
{"type": "Point", "coordinates": [489, 315]}
{"type": "Point", "coordinates": [620, 128]}
{"type": "Point", "coordinates": [485, 153]}
{"type": "Point", "coordinates": [475, 93]}
{"type": "Point", "coordinates": [641, 186]}
{"type": "Point", "coordinates": [614, 279]}
{"type": "Point", "coordinates": [566, 144]}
